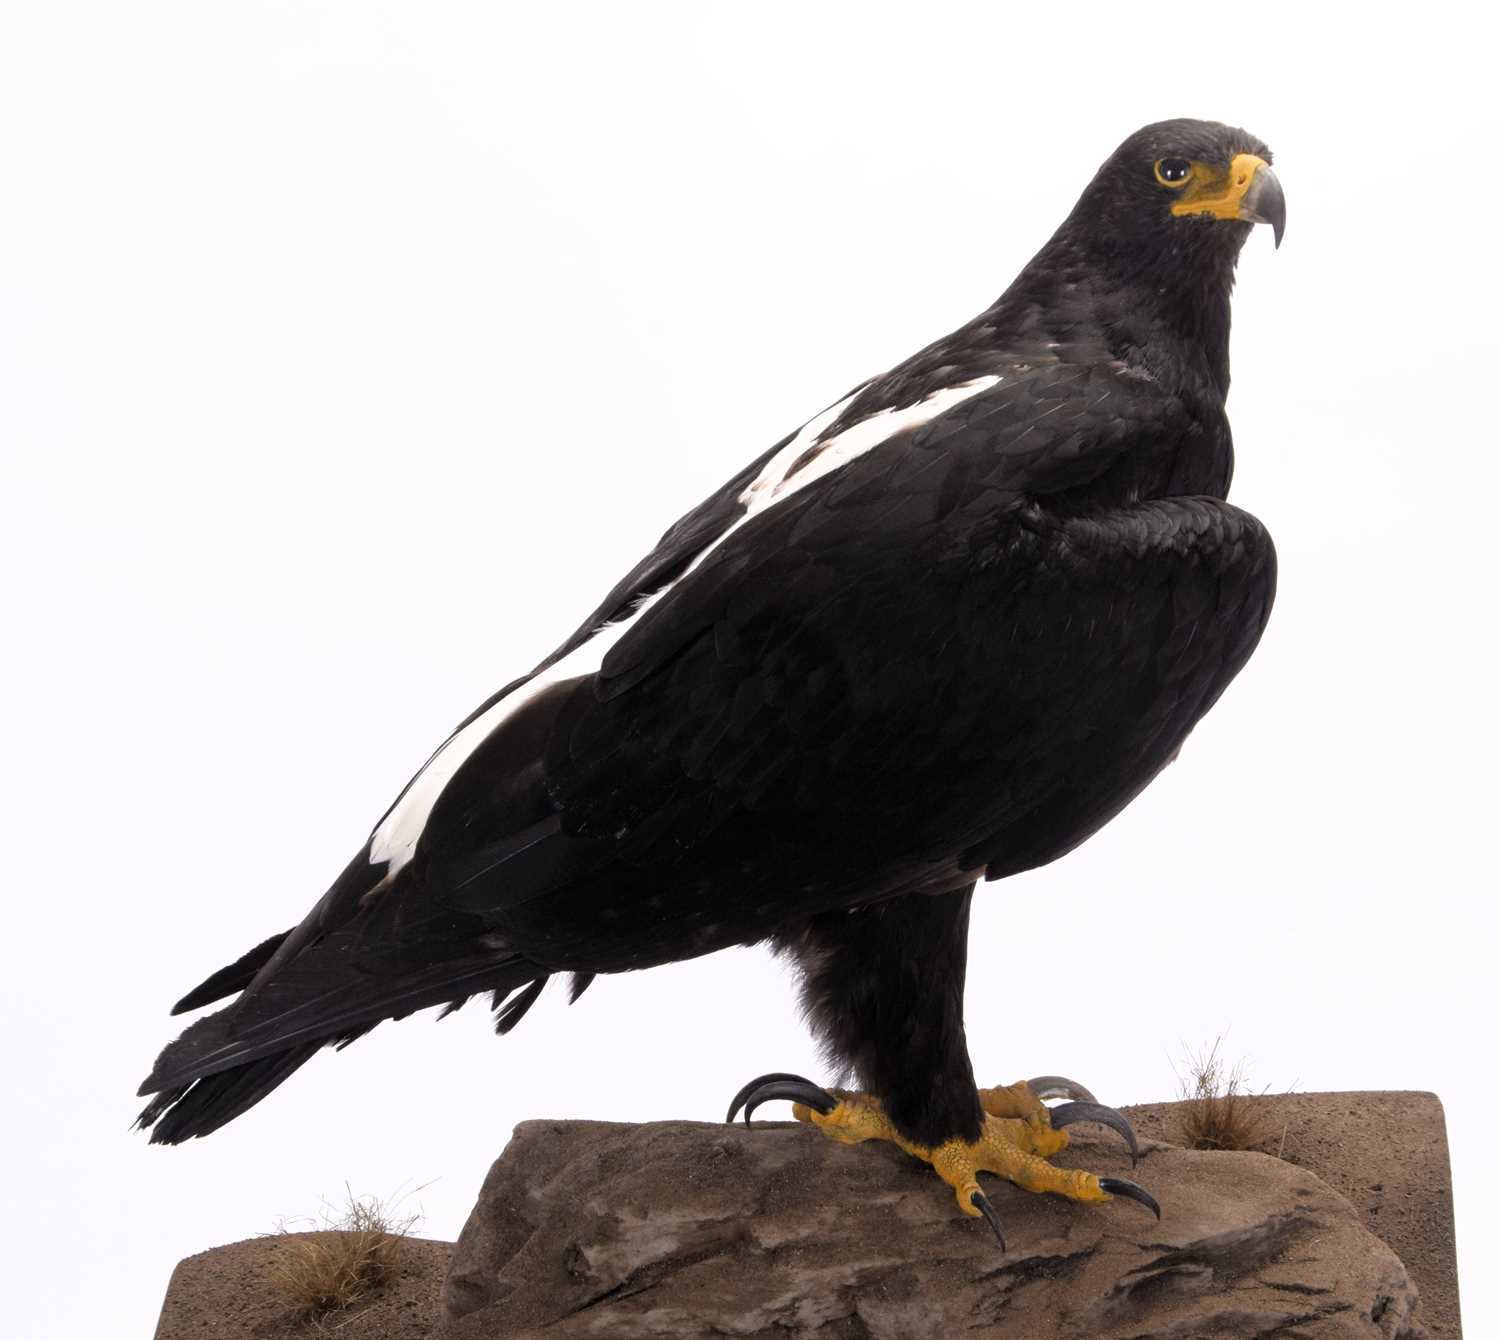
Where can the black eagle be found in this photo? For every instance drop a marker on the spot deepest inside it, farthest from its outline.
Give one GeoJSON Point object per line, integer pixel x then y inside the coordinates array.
{"type": "Point", "coordinates": [941, 633]}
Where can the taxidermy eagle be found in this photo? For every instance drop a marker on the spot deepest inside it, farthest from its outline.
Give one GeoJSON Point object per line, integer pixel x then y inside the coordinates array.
{"type": "Point", "coordinates": [942, 632]}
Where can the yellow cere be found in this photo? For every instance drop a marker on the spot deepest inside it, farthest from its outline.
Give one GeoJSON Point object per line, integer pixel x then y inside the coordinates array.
{"type": "Point", "coordinates": [1211, 189]}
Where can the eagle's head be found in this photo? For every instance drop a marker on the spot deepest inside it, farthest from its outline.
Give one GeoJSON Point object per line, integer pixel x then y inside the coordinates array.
{"type": "Point", "coordinates": [1184, 191]}
{"type": "Point", "coordinates": [1146, 258]}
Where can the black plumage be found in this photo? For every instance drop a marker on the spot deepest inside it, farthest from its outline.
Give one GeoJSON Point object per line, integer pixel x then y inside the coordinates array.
{"type": "Point", "coordinates": [944, 634]}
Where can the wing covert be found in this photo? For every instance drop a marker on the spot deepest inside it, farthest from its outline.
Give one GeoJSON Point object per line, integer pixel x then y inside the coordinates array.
{"type": "Point", "coordinates": [805, 649]}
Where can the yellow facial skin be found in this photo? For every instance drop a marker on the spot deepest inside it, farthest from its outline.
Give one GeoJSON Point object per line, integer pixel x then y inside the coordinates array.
{"type": "Point", "coordinates": [1214, 190]}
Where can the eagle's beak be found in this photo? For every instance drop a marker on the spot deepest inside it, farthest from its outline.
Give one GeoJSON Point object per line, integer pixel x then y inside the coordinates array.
{"type": "Point", "coordinates": [1248, 190]}
{"type": "Point", "coordinates": [1263, 202]}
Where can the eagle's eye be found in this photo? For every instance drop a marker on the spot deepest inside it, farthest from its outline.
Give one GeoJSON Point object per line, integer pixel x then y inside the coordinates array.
{"type": "Point", "coordinates": [1173, 171]}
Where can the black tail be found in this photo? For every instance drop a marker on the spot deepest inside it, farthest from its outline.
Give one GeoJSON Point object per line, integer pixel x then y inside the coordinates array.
{"type": "Point", "coordinates": [203, 1105]}
{"type": "Point", "coordinates": [236, 977]}
{"type": "Point", "coordinates": [224, 1064]}
{"type": "Point", "coordinates": [376, 946]}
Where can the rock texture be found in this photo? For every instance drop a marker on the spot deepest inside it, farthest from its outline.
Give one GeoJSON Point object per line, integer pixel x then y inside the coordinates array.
{"type": "Point", "coordinates": [682, 1229]}
{"type": "Point", "coordinates": [1388, 1154]}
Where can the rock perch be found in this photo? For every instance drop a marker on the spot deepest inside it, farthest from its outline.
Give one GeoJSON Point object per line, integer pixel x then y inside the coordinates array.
{"type": "Point", "coordinates": [685, 1229]}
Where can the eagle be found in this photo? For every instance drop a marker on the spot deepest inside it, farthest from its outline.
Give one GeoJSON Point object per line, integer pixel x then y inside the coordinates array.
{"type": "Point", "coordinates": [939, 634]}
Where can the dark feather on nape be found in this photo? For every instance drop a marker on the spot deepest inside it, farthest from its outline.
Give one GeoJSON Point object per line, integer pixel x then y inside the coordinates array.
{"type": "Point", "coordinates": [508, 1013]}
{"type": "Point", "coordinates": [578, 986]}
{"type": "Point", "coordinates": [353, 1035]}
{"type": "Point", "coordinates": [453, 1006]}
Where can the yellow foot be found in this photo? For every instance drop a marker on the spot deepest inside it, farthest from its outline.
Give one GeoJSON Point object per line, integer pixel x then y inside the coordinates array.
{"type": "Point", "coordinates": [1020, 1133]}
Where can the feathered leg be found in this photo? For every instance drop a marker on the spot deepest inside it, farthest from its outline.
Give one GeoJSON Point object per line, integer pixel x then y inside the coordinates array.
{"type": "Point", "coordinates": [883, 987]}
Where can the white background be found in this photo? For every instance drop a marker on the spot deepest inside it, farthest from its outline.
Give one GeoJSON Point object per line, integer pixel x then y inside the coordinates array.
{"type": "Point", "coordinates": [349, 352]}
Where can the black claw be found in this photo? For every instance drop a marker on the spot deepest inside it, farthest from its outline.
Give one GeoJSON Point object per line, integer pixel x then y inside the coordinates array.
{"type": "Point", "coordinates": [981, 1202]}
{"type": "Point", "coordinates": [1067, 1113]}
{"type": "Point", "coordinates": [743, 1094]}
{"type": "Point", "coordinates": [1118, 1186]}
{"type": "Point", "coordinates": [781, 1085]}
{"type": "Point", "coordinates": [1058, 1086]}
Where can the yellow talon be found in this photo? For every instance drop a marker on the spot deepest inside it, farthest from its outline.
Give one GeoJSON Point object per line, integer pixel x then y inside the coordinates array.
{"type": "Point", "coordinates": [1015, 1141]}
{"type": "Point", "coordinates": [1029, 1125]}
{"type": "Point", "coordinates": [1013, 1100]}
{"type": "Point", "coordinates": [857, 1118]}
{"type": "Point", "coordinates": [1015, 1144]}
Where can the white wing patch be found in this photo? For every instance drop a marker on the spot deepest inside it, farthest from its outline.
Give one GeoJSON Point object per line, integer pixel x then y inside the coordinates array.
{"type": "Point", "coordinates": [395, 839]}
{"type": "Point", "coordinates": [783, 476]}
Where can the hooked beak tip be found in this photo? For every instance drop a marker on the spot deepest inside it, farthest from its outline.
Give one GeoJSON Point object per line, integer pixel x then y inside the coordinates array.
{"type": "Point", "coordinates": [1265, 202]}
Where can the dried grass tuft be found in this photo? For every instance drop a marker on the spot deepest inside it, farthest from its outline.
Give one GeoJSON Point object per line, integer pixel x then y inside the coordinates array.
{"type": "Point", "coordinates": [1217, 1110]}
{"type": "Point", "coordinates": [343, 1263]}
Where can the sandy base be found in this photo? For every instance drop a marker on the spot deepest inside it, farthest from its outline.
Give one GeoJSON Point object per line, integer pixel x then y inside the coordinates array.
{"type": "Point", "coordinates": [225, 1293]}
{"type": "Point", "coordinates": [1387, 1153]}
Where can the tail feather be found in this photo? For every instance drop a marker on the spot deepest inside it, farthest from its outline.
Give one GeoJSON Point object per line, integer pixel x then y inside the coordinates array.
{"type": "Point", "coordinates": [203, 1105]}
{"type": "Point", "coordinates": [236, 977]}
{"type": "Point", "coordinates": [510, 1012]}
{"type": "Point", "coordinates": [376, 946]}
{"type": "Point", "coordinates": [212, 1073]}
